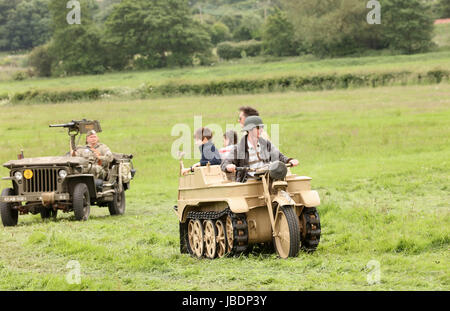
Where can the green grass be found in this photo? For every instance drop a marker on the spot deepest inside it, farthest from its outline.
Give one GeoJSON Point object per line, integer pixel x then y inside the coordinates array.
{"type": "Point", "coordinates": [254, 69]}
{"type": "Point", "coordinates": [378, 157]}
{"type": "Point", "coordinates": [12, 64]}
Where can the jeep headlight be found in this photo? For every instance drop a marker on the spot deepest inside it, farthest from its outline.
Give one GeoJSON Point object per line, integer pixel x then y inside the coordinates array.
{"type": "Point", "coordinates": [62, 174]}
{"type": "Point", "coordinates": [18, 175]}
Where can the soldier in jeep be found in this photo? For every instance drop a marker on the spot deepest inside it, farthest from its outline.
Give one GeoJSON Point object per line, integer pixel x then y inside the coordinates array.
{"type": "Point", "coordinates": [100, 152]}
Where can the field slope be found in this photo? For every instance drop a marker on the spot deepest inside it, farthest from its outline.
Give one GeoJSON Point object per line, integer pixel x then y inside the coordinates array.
{"type": "Point", "coordinates": [253, 69]}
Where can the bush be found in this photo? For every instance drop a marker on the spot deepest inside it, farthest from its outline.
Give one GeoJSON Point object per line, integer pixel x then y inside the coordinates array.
{"type": "Point", "coordinates": [230, 50]}
{"type": "Point", "coordinates": [20, 75]}
{"type": "Point", "coordinates": [55, 97]}
{"type": "Point", "coordinates": [41, 61]}
{"type": "Point", "coordinates": [220, 33]}
{"type": "Point", "coordinates": [307, 83]}
{"type": "Point", "coordinates": [246, 86]}
{"type": "Point", "coordinates": [4, 97]}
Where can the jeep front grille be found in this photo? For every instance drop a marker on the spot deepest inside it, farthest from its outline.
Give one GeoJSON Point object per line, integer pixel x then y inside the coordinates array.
{"type": "Point", "coordinates": [43, 180]}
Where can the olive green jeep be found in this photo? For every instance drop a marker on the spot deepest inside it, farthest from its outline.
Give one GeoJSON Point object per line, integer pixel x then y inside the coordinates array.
{"type": "Point", "coordinates": [47, 184]}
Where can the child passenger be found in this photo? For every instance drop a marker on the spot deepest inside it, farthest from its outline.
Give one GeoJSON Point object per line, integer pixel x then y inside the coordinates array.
{"type": "Point", "coordinates": [229, 143]}
{"type": "Point", "coordinates": [203, 139]}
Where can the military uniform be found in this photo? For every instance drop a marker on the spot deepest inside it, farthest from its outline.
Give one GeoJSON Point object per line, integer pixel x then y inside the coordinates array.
{"type": "Point", "coordinates": [100, 168]}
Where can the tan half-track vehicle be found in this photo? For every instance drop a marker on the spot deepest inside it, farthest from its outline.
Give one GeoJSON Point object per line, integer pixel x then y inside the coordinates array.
{"type": "Point", "coordinates": [47, 184]}
{"type": "Point", "coordinates": [220, 217]}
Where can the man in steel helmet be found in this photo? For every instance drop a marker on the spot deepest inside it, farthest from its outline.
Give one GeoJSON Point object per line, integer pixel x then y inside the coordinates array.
{"type": "Point", "coordinates": [253, 151]}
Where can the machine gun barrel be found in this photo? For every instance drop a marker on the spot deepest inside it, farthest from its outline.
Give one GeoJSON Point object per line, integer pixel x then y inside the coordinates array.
{"type": "Point", "coordinates": [82, 127]}
{"type": "Point", "coordinates": [67, 125]}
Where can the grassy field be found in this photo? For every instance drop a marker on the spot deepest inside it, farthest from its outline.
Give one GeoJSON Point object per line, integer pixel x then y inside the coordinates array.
{"type": "Point", "coordinates": [379, 158]}
{"type": "Point", "coordinates": [251, 68]}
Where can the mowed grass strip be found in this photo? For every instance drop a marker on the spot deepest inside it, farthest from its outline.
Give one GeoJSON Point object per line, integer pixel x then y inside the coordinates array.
{"type": "Point", "coordinates": [379, 158]}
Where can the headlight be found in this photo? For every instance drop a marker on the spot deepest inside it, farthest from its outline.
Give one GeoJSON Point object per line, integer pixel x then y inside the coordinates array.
{"type": "Point", "coordinates": [62, 174]}
{"type": "Point", "coordinates": [18, 175]}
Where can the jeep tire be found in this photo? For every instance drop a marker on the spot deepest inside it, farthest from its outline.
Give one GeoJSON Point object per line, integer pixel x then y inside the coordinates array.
{"type": "Point", "coordinates": [9, 215]}
{"type": "Point", "coordinates": [81, 202]}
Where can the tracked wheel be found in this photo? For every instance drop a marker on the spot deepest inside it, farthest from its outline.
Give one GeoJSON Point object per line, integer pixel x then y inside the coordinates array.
{"type": "Point", "coordinates": [196, 238]}
{"type": "Point", "coordinates": [310, 229]}
{"type": "Point", "coordinates": [210, 234]}
{"type": "Point", "coordinates": [221, 239]}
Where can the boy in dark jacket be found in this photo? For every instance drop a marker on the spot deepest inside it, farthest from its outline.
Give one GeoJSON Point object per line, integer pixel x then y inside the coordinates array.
{"type": "Point", "coordinates": [209, 152]}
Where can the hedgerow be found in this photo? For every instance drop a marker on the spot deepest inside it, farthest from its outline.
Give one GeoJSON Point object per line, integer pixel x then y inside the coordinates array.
{"type": "Point", "coordinates": [244, 86]}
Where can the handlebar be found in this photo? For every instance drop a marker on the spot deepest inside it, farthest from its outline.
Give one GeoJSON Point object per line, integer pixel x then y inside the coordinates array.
{"type": "Point", "coordinates": [262, 169]}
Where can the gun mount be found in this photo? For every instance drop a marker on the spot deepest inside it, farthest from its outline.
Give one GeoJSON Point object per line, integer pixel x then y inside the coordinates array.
{"type": "Point", "coordinates": [79, 127]}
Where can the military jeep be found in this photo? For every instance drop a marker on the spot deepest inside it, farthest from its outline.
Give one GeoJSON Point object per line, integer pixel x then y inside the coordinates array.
{"type": "Point", "coordinates": [47, 184]}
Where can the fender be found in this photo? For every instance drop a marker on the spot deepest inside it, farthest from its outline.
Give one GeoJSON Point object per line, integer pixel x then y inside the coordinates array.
{"type": "Point", "coordinates": [283, 198]}
{"type": "Point", "coordinates": [88, 179]}
{"type": "Point", "coordinates": [310, 198]}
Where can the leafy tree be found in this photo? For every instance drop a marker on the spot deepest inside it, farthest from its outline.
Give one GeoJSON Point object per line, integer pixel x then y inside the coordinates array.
{"type": "Point", "coordinates": [339, 27]}
{"type": "Point", "coordinates": [445, 6]}
{"type": "Point", "coordinates": [76, 49]}
{"type": "Point", "coordinates": [330, 27]}
{"type": "Point", "coordinates": [441, 8]}
{"type": "Point", "coordinates": [232, 21]}
{"type": "Point", "coordinates": [105, 8]}
{"type": "Point", "coordinates": [23, 24]}
{"type": "Point", "coordinates": [59, 11]}
{"type": "Point", "coordinates": [407, 25]}
{"type": "Point", "coordinates": [160, 33]}
{"type": "Point", "coordinates": [220, 33]}
{"type": "Point", "coordinates": [249, 28]}
{"type": "Point", "coordinates": [278, 36]}
{"type": "Point", "coordinates": [41, 60]}
{"type": "Point", "coordinates": [6, 6]}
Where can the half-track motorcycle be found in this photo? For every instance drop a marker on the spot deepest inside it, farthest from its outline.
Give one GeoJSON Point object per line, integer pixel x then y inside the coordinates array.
{"type": "Point", "coordinates": [219, 217]}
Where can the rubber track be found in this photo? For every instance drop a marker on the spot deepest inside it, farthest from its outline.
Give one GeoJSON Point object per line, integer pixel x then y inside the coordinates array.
{"type": "Point", "coordinates": [240, 226]}
{"type": "Point", "coordinates": [312, 238]}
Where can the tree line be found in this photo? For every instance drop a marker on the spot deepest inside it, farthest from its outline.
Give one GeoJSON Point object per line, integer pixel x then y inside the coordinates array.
{"type": "Point", "coordinates": [143, 34]}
